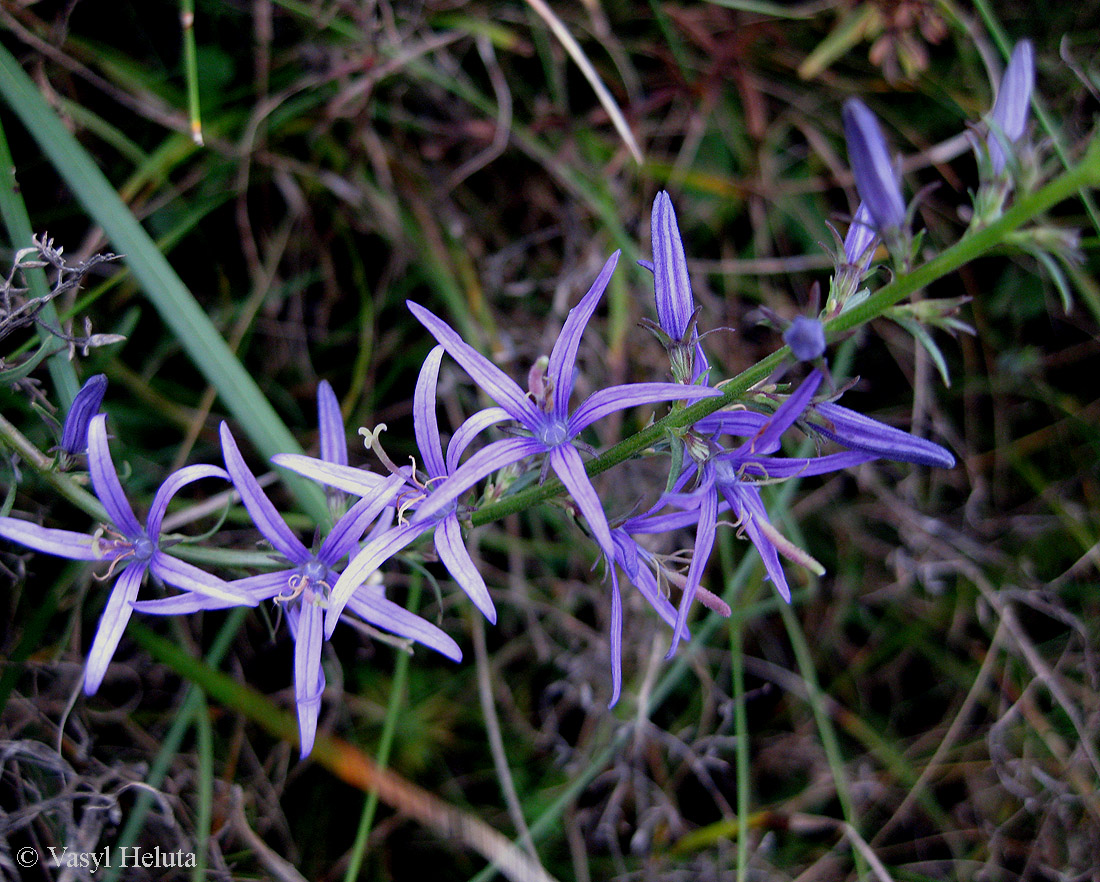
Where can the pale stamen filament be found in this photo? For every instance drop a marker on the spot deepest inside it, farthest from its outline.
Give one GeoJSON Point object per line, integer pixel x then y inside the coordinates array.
{"type": "Point", "coordinates": [299, 585]}
{"type": "Point", "coordinates": [370, 440]}
{"type": "Point", "coordinates": [126, 555]}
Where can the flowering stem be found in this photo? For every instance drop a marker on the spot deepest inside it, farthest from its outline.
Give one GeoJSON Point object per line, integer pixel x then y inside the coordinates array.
{"type": "Point", "coordinates": [43, 466]}
{"type": "Point", "coordinates": [1085, 174]}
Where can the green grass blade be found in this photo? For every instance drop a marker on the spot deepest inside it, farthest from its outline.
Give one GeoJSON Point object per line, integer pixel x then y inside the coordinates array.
{"type": "Point", "coordinates": [385, 745]}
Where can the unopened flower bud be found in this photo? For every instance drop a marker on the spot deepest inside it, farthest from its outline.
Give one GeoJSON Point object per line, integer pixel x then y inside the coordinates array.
{"type": "Point", "coordinates": [1013, 102]}
{"type": "Point", "coordinates": [74, 433]}
{"type": "Point", "coordinates": [806, 337]}
{"type": "Point", "coordinates": [876, 179]}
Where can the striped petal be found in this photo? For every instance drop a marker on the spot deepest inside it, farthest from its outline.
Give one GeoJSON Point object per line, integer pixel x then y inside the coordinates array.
{"type": "Point", "coordinates": [263, 513]}
{"type": "Point", "coordinates": [105, 479]}
{"type": "Point", "coordinates": [111, 625]}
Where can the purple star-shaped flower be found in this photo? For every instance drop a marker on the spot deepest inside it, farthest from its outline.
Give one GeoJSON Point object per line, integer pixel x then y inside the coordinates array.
{"type": "Point", "coordinates": [544, 412]}
{"type": "Point", "coordinates": [444, 521]}
{"type": "Point", "coordinates": [125, 543]}
{"type": "Point", "coordinates": [303, 587]}
{"type": "Point", "coordinates": [734, 475]}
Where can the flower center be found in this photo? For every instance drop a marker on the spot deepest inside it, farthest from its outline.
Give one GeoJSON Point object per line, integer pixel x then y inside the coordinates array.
{"type": "Point", "coordinates": [143, 548]}
{"type": "Point", "coordinates": [725, 473]}
{"type": "Point", "coordinates": [554, 433]}
{"type": "Point", "coordinates": [313, 571]}
{"type": "Point", "coordinates": [308, 582]}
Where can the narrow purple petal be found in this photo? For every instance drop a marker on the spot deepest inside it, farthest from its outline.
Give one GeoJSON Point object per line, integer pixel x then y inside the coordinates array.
{"type": "Point", "coordinates": [349, 529]}
{"type": "Point", "coordinates": [704, 544]}
{"type": "Point", "coordinates": [370, 558]}
{"type": "Point", "coordinates": [334, 441]}
{"type": "Point", "coordinates": [181, 604]}
{"type": "Point", "coordinates": [482, 464]}
{"type": "Point", "coordinates": [470, 429]}
{"type": "Point", "coordinates": [309, 680]}
{"type": "Point", "coordinates": [671, 282]}
{"type": "Point", "coordinates": [452, 551]}
{"type": "Point", "coordinates": [746, 503]}
{"type": "Point", "coordinates": [74, 432]}
{"type": "Point", "coordinates": [858, 432]}
{"type": "Point", "coordinates": [767, 467]}
{"type": "Point", "coordinates": [646, 583]}
{"type": "Point", "coordinates": [63, 543]}
{"type": "Point", "coordinates": [373, 607]}
{"type": "Point", "coordinates": [626, 552]}
{"type": "Point", "coordinates": [358, 482]}
{"type": "Point", "coordinates": [605, 401]}
{"type": "Point", "coordinates": [111, 625]}
{"type": "Point", "coordinates": [425, 422]}
{"type": "Point", "coordinates": [263, 513]}
{"type": "Point", "coordinates": [768, 439]}
{"type": "Point", "coordinates": [616, 640]}
{"type": "Point", "coordinates": [732, 422]}
{"type": "Point", "coordinates": [876, 179]}
{"type": "Point", "coordinates": [569, 467]}
{"type": "Point", "coordinates": [105, 479]}
{"type": "Point", "coordinates": [255, 588]}
{"type": "Point", "coordinates": [180, 574]}
{"type": "Point", "coordinates": [264, 586]}
{"type": "Point", "coordinates": [665, 523]}
{"type": "Point", "coordinates": [172, 484]}
{"type": "Point", "coordinates": [500, 387]}
{"type": "Point", "coordinates": [1014, 96]}
{"type": "Point", "coordinates": [563, 356]}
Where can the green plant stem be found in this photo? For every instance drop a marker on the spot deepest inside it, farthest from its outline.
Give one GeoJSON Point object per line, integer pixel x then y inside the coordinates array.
{"type": "Point", "coordinates": [43, 466]}
{"type": "Point", "coordinates": [741, 724]}
{"type": "Point", "coordinates": [191, 68]}
{"type": "Point", "coordinates": [385, 744]}
{"type": "Point", "coordinates": [204, 790]}
{"type": "Point", "coordinates": [972, 246]}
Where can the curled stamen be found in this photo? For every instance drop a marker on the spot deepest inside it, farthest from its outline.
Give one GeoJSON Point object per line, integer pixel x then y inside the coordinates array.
{"type": "Point", "coordinates": [315, 590]}
{"type": "Point", "coordinates": [126, 555]}
{"type": "Point", "coordinates": [297, 584]}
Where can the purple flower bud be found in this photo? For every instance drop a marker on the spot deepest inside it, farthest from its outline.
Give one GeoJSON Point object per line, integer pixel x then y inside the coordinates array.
{"type": "Point", "coordinates": [1013, 102]}
{"type": "Point", "coordinates": [670, 276]}
{"type": "Point", "coordinates": [74, 433]}
{"type": "Point", "coordinates": [858, 249]}
{"type": "Point", "coordinates": [876, 180]}
{"type": "Point", "coordinates": [806, 338]}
